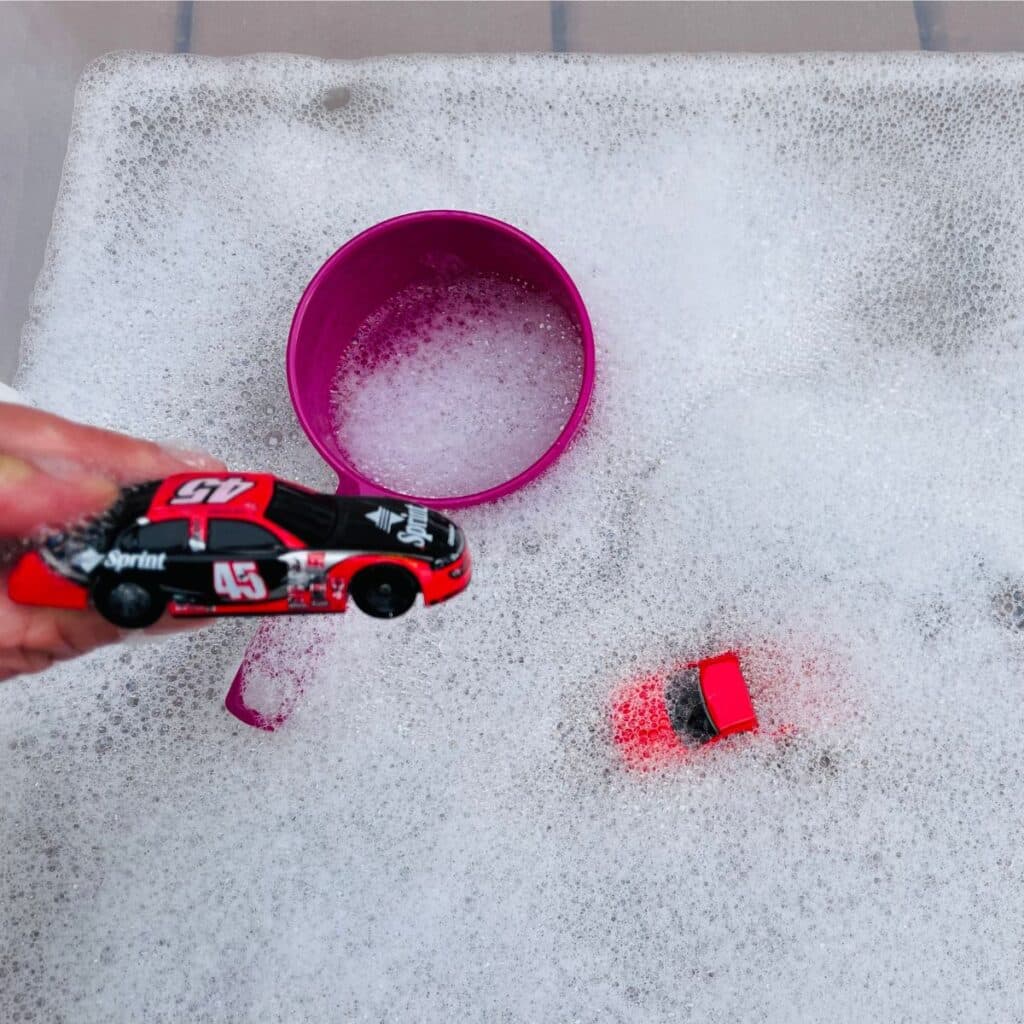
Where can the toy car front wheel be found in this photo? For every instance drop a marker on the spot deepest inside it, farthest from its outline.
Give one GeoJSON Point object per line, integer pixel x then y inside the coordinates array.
{"type": "Point", "coordinates": [384, 591]}
{"type": "Point", "coordinates": [127, 603]}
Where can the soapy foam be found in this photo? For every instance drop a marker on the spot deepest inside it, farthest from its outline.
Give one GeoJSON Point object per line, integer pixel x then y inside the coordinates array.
{"type": "Point", "coordinates": [456, 387]}
{"type": "Point", "coordinates": [803, 279]}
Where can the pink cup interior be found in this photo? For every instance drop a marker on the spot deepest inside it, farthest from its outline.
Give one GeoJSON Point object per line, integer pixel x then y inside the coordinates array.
{"type": "Point", "coordinates": [417, 248]}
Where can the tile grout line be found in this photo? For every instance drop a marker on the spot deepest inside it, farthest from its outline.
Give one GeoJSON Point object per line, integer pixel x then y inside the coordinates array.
{"type": "Point", "coordinates": [183, 27]}
{"type": "Point", "coordinates": [929, 30]}
{"type": "Point", "coordinates": [559, 26]}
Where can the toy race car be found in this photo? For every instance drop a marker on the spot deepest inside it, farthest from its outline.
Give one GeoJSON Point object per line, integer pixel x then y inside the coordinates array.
{"type": "Point", "coordinates": [244, 544]}
{"type": "Point", "coordinates": [661, 719]}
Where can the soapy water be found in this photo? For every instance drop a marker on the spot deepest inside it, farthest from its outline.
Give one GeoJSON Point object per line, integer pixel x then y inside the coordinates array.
{"type": "Point", "coordinates": [455, 387]}
{"type": "Point", "coordinates": [805, 445]}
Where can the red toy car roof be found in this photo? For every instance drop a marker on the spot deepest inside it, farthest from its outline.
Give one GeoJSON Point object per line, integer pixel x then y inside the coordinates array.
{"type": "Point", "coordinates": [726, 696]}
{"type": "Point", "coordinates": [245, 494]}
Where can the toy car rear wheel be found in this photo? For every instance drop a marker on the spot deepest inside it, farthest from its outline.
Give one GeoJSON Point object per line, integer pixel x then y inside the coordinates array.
{"type": "Point", "coordinates": [128, 603]}
{"type": "Point", "coordinates": [384, 591]}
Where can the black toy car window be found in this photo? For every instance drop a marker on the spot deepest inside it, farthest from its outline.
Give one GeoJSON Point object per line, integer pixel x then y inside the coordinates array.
{"type": "Point", "coordinates": [168, 536]}
{"type": "Point", "coordinates": [686, 710]}
{"type": "Point", "coordinates": [238, 535]}
{"type": "Point", "coordinates": [313, 518]}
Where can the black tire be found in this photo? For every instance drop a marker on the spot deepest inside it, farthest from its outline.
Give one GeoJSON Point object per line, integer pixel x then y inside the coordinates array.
{"type": "Point", "coordinates": [384, 591]}
{"type": "Point", "coordinates": [128, 603]}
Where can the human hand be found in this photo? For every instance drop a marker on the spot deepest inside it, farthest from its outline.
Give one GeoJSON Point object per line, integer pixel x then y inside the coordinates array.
{"type": "Point", "coordinates": [53, 472]}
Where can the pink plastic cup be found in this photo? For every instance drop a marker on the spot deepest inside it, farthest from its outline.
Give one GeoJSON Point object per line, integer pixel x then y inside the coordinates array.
{"type": "Point", "coordinates": [416, 248]}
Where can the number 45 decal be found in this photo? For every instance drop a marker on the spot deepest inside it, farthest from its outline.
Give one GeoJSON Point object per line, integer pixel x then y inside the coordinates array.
{"type": "Point", "coordinates": [238, 581]}
{"type": "Point", "coordinates": [210, 490]}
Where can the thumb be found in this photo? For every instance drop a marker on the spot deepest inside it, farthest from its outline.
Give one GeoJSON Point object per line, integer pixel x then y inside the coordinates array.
{"type": "Point", "coordinates": [31, 498]}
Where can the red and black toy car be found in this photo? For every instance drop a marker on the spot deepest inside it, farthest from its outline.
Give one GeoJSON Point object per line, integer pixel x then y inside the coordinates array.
{"type": "Point", "coordinates": [245, 543]}
{"type": "Point", "coordinates": [663, 718]}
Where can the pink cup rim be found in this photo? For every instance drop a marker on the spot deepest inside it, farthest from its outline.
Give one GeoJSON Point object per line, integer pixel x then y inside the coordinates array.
{"type": "Point", "coordinates": [350, 478]}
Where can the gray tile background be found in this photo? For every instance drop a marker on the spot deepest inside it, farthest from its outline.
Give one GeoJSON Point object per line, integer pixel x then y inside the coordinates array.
{"type": "Point", "coordinates": [45, 46]}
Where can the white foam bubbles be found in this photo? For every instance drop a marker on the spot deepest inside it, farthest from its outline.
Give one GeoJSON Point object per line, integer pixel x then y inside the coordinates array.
{"type": "Point", "coordinates": [456, 387]}
{"type": "Point", "coordinates": [804, 445]}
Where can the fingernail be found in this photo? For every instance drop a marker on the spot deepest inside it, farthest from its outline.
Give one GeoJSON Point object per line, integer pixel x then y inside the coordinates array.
{"type": "Point", "coordinates": [94, 486]}
{"type": "Point", "coordinates": [99, 489]}
{"type": "Point", "coordinates": [192, 457]}
{"type": "Point", "coordinates": [14, 470]}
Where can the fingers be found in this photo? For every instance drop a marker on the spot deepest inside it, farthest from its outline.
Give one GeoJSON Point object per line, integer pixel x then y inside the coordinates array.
{"type": "Point", "coordinates": [30, 498]}
{"type": "Point", "coordinates": [32, 638]}
{"type": "Point", "coordinates": [62, 447]}
{"type": "Point", "coordinates": [53, 471]}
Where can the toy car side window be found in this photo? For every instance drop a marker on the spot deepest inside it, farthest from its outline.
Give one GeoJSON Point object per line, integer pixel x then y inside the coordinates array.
{"type": "Point", "coordinates": [686, 710]}
{"type": "Point", "coordinates": [238, 535]}
{"type": "Point", "coordinates": [171, 535]}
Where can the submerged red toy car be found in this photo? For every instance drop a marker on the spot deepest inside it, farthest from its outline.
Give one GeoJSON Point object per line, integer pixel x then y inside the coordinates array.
{"type": "Point", "coordinates": [245, 543]}
{"type": "Point", "coordinates": [663, 718]}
